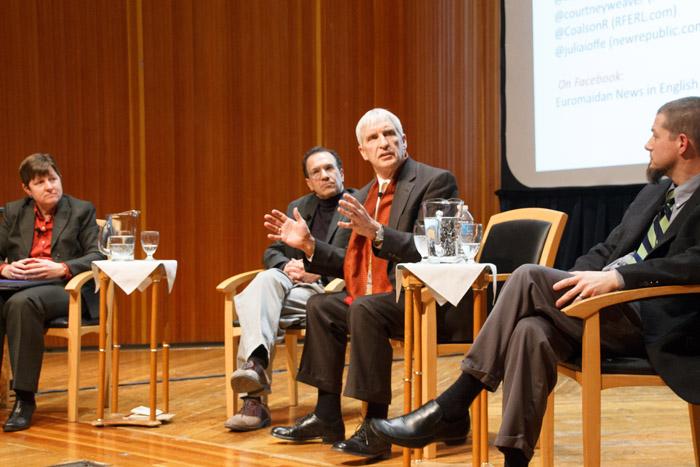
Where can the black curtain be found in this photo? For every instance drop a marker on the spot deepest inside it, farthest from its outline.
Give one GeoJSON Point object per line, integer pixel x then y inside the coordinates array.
{"type": "Point", "coordinates": [593, 212]}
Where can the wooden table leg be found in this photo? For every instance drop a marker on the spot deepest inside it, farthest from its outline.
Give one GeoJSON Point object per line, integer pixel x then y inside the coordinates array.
{"type": "Point", "coordinates": [417, 354]}
{"type": "Point", "coordinates": [115, 354]}
{"type": "Point", "coordinates": [154, 349]}
{"type": "Point", "coordinates": [480, 436]}
{"type": "Point", "coordinates": [407, 355]}
{"type": "Point", "coordinates": [104, 284]}
{"type": "Point", "coordinates": [166, 360]}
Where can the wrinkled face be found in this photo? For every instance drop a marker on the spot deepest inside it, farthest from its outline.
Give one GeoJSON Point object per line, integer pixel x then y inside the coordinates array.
{"type": "Point", "coordinates": [325, 178]}
{"type": "Point", "coordinates": [45, 189]}
{"type": "Point", "coordinates": [664, 148]}
{"type": "Point", "coordinates": [382, 146]}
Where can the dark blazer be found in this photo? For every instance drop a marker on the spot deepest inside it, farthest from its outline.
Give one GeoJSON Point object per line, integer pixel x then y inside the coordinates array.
{"type": "Point", "coordinates": [671, 324]}
{"type": "Point", "coordinates": [73, 241]}
{"type": "Point", "coordinates": [415, 183]}
{"type": "Point", "coordinates": [278, 254]}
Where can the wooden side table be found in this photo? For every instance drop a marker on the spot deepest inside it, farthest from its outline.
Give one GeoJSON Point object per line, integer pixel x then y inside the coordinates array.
{"type": "Point", "coordinates": [418, 303]}
{"type": "Point", "coordinates": [153, 281]}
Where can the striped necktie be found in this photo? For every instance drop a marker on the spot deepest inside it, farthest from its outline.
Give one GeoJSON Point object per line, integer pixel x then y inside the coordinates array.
{"type": "Point", "coordinates": [657, 229]}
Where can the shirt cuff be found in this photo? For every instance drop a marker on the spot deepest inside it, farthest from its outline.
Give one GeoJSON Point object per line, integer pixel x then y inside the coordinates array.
{"type": "Point", "coordinates": [66, 271]}
{"type": "Point", "coordinates": [620, 280]}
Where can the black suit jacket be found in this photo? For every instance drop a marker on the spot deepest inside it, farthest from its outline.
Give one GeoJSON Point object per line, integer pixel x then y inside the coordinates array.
{"type": "Point", "coordinates": [415, 183]}
{"type": "Point", "coordinates": [278, 254]}
{"type": "Point", "coordinates": [671, 324]}
{"type": "Point", "coordinates": [73, 240]}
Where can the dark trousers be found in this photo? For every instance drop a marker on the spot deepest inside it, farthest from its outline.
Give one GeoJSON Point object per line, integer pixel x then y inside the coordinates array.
{"type": "Point", "coordinates": [524, 338]}
{"type": "Point", "coordinates": [370, 322]}
{"type": "Point", "coordinates": [23, 315]}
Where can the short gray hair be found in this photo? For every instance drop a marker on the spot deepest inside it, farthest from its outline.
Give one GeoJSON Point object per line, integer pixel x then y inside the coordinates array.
{"type": "Point", "coordinates": [374, 116]}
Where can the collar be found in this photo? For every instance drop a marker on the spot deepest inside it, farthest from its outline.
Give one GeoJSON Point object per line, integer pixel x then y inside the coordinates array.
{"type": "Point", "coordinates": [685, 191]}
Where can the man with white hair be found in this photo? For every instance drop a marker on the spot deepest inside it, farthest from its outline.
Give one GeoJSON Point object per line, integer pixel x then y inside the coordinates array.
{"type": "Point", "coordinates": [381, 216]}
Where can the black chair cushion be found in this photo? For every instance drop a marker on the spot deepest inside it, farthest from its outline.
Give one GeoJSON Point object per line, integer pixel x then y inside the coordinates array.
{"type": "Point", "coordinates": [514, 243]}
{"type": "Point", "coordinates": [618, 366]}
{"type": "Point", "coordinates": [62, 322]}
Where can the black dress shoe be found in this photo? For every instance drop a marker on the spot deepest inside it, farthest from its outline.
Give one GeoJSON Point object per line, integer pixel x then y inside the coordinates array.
{"type": "Point", "coordinates": [365, 443]}
{"type": "Point", "coordinates": [421, 427]}
{"type": "Point", "coordinates": [311, 427]}
{"type": "Point", "coordinates": [21, 416]}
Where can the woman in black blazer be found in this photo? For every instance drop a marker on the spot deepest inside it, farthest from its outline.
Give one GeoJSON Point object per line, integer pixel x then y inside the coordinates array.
{"type": "Point", "coordinates": [45, 239]}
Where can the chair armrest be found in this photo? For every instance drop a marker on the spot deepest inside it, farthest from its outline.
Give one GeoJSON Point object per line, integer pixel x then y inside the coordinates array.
{"type": "Point", "coordinates": [78, 281]}
{"type": "Point", "coordinates": [336, 285]}
{"type": "Point", "coordinates": [592, 305]}
{"type": "Point", "coordinates": [234, 282]}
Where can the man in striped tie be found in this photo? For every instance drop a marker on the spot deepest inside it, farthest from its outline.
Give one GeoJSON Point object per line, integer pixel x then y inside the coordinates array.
{"type": "Point", "coordinates": [657, 243]}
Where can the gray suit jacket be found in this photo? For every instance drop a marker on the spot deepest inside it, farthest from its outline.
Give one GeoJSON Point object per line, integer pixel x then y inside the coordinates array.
{"type": "Point", "coordinates": [671, 324]}
{"type": "Point", "coordinates": [415, 183]}
{"type": "Point", "coordinates": [73, 241]}
{"type": "Point", "coordinates": [278, 254]}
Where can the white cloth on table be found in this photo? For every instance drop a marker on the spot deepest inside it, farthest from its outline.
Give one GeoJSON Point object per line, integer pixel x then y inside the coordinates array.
{"type": "Point", "coordinates": [132, 275]}
{"type": "Point", "coordinates": [447, 282]}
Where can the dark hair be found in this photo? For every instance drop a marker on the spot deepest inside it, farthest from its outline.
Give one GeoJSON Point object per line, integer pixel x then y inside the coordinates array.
{"type": "Point", "coordinates": [683, 116]}
{"type": "Point", "coordinates": [316, 150]}
{"type": "Point", "coordinates": [37, 164]}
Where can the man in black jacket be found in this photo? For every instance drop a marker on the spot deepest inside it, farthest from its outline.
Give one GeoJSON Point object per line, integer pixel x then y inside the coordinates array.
{"type": "Point", "coordinates": [281, 291]}
{"type": "Point", "coordinates": [657, 243]}
{"type": "Point", "coordinates": [381, 216]}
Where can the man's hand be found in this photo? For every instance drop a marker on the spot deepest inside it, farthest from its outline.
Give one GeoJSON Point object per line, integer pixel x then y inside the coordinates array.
{"type": "Point", "coordinates": [360, 220]}
{"type": "Point", "coordinates": [32, 269]}
{"type": "Point", "coordinates": [585, 284]}
{"type": "Point", "coordinates": [293, 232]}
{"type": "Point", "coordinates": [295, 270]}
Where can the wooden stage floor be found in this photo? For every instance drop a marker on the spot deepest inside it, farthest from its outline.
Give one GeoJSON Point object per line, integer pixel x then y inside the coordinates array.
{"type": "Point", "coordinates": [641, 426]}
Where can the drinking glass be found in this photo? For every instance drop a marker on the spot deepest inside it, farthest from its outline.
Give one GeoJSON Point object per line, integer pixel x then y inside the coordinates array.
{"type": "Point", "coordinates": [149, 242]}
{"type": "Point", "coordinates": [420, 240]}
{"type": "Point", "coordinates": [470, 238]}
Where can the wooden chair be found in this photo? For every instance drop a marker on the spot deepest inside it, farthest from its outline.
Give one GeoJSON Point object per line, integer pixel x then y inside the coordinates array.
{"type": "Point", "coordinates": [232, 335]}
{"type": "Point", "coordinates": [595, 375]}
{"type": "Point", "coordinates": [72, 328]}
{"type": "Point", "coordinates": [511, 239]}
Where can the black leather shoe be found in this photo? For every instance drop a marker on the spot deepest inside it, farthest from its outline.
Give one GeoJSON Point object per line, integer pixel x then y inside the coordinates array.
{"type": "Point", "coordinates": [421, 427]}
{"type": "Point", "coordinates": [311, 427]}
{"type": "Point", "coordinates": [365, 443]}
{"type": "Point", "coordinates": [21, 416]}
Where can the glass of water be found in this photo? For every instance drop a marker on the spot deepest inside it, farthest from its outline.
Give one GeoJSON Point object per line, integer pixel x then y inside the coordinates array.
{"type": "Point", "coordinates": [420, 239]}
{"type": "Point", "coordinates": [121, 247]}
{"type": "Point", "coordinates": [149, 242]}
{"type": "Point", "coordinates": [470, 239]}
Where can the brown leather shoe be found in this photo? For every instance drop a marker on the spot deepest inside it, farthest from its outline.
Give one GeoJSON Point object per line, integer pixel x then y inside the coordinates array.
{"type": "Point", "coordinates": [253, 415]}
{"type": "Point", "coordinates": [250, 378]}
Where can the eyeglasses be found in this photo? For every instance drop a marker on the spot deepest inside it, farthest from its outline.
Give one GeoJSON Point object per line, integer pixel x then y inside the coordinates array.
{"type": "Point", "coordinates": [317, 173]}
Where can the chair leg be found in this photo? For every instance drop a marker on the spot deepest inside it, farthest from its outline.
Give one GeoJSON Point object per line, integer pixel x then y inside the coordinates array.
{"type": "Point", "coordinates": [694, 411]}
{"type": "Point", "coordinates": [547, 434]}
{"type": "Point", "coordinates": [73, 373]}
{"type": "Point", "coordinates": [290, 343]}
{"type": "Point", "coordinates": [591, 426]}
{"type": "Point", "coordinates": [4, 376]}
{"type": "Point", "coordinates": [231, 351]}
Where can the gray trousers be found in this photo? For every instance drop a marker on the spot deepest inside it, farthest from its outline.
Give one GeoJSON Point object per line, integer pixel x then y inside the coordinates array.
{"type": "Point", "coordinates": [524, 338]}
{"type": "Point", "coordinates": [270, 296]}
{"type": "Point", "coordinates": [23, 315]}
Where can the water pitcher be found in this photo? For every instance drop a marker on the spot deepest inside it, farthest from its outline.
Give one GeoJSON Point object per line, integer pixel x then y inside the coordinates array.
{"type": "Point", "coordinates": [117, 236]}
{"type": "Point", "coordinates": [441, 218]}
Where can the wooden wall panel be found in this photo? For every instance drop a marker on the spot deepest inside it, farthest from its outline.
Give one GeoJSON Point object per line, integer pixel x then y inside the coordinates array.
{"type": "Point", "coordinates": [198, 112]}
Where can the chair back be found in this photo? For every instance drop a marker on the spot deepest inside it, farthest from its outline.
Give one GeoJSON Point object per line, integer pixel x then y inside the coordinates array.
{"type": "Point", "coordinates": [522, 236]}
